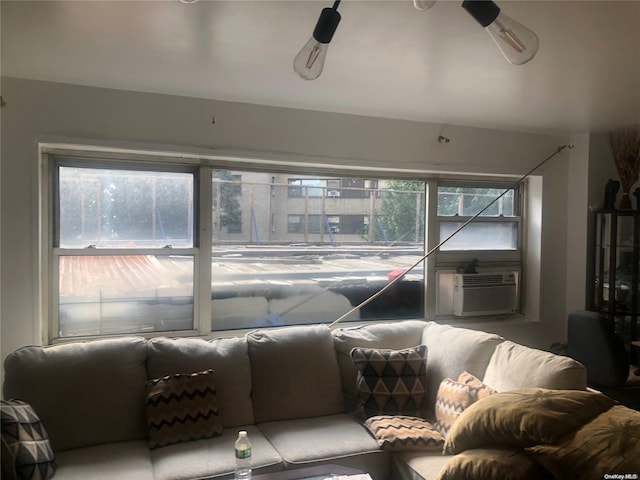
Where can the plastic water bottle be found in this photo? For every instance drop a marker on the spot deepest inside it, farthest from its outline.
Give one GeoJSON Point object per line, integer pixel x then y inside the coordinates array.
{"type": "Point", "coordinates": [243, 456]}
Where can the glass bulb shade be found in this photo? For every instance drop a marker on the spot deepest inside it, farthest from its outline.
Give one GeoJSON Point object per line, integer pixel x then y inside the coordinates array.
{"type": "Point", "coordinates": [424, 4]}
{"type": "Point", "coordinates": [517, 43]}
{"type": "Point", "coordinates": [310, 60]}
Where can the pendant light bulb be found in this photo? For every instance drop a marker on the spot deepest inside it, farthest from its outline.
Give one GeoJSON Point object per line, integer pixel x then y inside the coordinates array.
{"type": "Point", "coordinates": [424, 4]}
{"type": "Point", "coordinates": [517, 43]}
{"type": "Point", "coordinates": [309, 62]}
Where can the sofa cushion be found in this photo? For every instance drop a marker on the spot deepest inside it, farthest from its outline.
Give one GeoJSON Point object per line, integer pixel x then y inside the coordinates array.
{"type": "Point", "coordinates": [27, 441]}
{"type": "Point", "coordinates": [418, 465]}
{"type": "Point", "coordinates": [390, 382]}
{"type": "Point", "coordinates": [309, 440]}
{"type": "Point", "coordinates": [181, 408]}
{"type": "Point", "coordinates": [228, 357]}
{"type": "Point", "coordinates": [453, 350]}
{"type": "Point", "coordinates": [496, 463]}
{"type": "Point", "coordinates": [400, 432]}
{"type": "Point", "coordinates": [515, 366]}
{"type": "Point", "coordinates": [80, 379]}
{"type": "Point", "coordinates": [294, 372]}
{"type": "Point", "coordinates": [213, 457]}
{"type": "Point", "coordinates": [118, 460]}
{"type": "Point", "coordinates": [393, 335]}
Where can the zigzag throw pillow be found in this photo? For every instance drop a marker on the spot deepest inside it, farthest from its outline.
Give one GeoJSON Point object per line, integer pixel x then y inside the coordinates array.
{"type": "Point", "coordinates": [181, 408]}
{"type": "Point", "coordinates": [391, 382]}
{"type": "Point", "coordinates": [453, 397]}
{"type": "Point", "coordinates": [399, 432]}
{"type": "Point", "coordinates": [26, 442]}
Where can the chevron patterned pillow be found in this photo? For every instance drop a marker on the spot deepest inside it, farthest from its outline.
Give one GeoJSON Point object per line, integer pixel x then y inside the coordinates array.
{"type": "Point", "coordinates": [26, 441]}
{"type": "Point", "coordinates": [390, 382]}
{"type": "Point", "coordinates": [452, 398]}
{"type": "Point", "coordinates": [400, 432]}
{"type": "Point", "coordinates": [182, 407]}
{"type": "Point", "coordinates": [482, 390]}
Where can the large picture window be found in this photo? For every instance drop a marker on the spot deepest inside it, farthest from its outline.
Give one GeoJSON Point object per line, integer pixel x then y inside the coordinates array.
{"type": "Point", "coordinates": [148, 246]}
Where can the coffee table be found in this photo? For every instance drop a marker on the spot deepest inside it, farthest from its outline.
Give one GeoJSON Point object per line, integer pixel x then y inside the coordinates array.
{"type": "Point", "coordinates": [318, 472]}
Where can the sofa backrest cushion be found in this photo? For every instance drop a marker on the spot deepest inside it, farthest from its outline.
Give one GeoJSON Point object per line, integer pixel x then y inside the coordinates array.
{"type": "Point", "coordinates": [453, 350]}
{"type": "Point", "coordinates": [395, 336]}
{"type": "Point", "coordinates": [515, 366]}
{"type": "Point", "coordinates": [295, 373]}
{"type": "Point", "coordinates": [85, 393]}
{"type": "Point", "coordinates": [227, 357]}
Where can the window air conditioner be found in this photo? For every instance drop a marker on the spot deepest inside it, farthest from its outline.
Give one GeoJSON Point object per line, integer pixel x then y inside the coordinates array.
{"type": "Point", "coordinates": [484, 293]}
{"type": "Point", "coordinates": [333, 193]}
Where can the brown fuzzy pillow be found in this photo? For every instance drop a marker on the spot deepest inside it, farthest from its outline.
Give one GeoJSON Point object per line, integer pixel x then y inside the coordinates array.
{"type": "Point", "coordinates": [608, 443]}
{"type": "Point", "coordinates": [524, 418]}
{"type": "Point", "coordinates": [497, 463]}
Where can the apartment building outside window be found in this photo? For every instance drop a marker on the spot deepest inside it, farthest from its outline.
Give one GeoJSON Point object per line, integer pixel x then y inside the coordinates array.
{"type": "Point", "coordinates": [153, 246]}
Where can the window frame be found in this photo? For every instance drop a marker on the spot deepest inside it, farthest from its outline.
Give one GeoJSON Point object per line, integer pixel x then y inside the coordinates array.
{"type": "Point", "coordinates": [203, 165]}
{"type": "Point", "coordinates": [446, 258]}
{"type": "Point", "coordinates": [53, 165]}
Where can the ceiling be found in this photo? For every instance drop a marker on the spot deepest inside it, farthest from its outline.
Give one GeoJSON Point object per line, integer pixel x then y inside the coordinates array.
{"type": "Point", "coordinates": [387, 59]}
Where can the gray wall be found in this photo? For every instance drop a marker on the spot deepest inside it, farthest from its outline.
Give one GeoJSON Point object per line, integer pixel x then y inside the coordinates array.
{"type": "Point", "coordinates": [39, 110]}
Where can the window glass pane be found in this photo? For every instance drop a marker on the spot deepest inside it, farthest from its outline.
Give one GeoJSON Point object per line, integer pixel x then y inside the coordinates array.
{"type": "Point", "coordinates": [313, 255]}
{"type": "Point", "coordinates": [469, 201]}
{"type": "Point", "coordinates": [124, 208]}
{"type": "Point", "coordinates": [101, 295]}
{"type": "Point", "coordinates": [480, 236]}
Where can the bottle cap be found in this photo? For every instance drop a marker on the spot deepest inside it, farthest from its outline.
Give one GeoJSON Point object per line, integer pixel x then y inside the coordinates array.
{"type": "Point", "coordinates": [242, 433]}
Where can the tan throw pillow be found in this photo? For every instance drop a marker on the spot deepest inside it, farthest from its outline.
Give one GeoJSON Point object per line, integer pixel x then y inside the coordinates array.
{"type": "Point", "coordinates": [25, 442]}
{"type": "Point", "coordinates": [499, 463]}
{"type": "Point", "coordinates": [181, 408]}
{"type": "Point", "coordinates": [400, 432]}
{"type": "Point", "coordinates": [482, 390]}
{"type": "Point", "coordinates": [452, 399]}
{"type": "Point", "coordinates": [523, 418]}
{"type": "Point", "coordinates": [390, 382]}
{"type": "Point", "coordinates": [610, 443]}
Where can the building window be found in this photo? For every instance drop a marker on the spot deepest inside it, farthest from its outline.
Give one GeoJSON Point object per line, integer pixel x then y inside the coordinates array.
{"type": "Point", "coordinates": [497, 228]}
{"type": "Point", "coordinates": [146, 246]}
{"type": "Point", "coordinates": [295, 223]}
{"type": "Point", "coordinates": [307, 187]}
{"type": "Point", "coordinates": [490, 244]}
{"type": "Point", "coordinates": [123, 252]}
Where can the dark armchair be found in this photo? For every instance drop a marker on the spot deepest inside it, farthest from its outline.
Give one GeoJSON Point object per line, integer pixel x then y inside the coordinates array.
{"type": "Point", "coordinates": [592, 341]}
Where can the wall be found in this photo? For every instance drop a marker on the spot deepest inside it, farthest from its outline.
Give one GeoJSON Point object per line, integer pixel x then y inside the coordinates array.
{"type": "Point", "coordinates": [37, 110]}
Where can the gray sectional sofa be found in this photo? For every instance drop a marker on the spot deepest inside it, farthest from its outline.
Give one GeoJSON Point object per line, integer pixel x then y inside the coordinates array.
{"type": "Point", "coordinates": [292, 388]}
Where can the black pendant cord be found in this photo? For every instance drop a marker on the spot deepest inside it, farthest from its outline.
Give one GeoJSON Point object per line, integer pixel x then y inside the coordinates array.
{"type": "Point", "coordinates": [336, 4]}
{"type": "Point", "coordinates": [434, 249]}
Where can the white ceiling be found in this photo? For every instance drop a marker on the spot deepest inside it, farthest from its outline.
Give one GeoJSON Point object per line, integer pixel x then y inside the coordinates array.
{"type": "Point", "coordinates": [387, 59]}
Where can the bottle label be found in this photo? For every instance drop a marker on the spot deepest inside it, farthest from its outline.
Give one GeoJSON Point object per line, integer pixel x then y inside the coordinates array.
{"type": "Point", "coordinates": [245, 453]}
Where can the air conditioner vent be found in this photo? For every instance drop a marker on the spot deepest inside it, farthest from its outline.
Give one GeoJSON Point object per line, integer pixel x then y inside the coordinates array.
{"type": "Point", "coordinates": [484, 294]}
{"type": "Point", "coordinates": [483, 279]}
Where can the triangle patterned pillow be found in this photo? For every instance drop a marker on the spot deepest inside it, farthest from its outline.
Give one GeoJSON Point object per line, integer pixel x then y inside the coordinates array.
{"type": "Point", "coordinates": [26, 441]}
{"type": "Point", "coordinates": [390, 382]}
